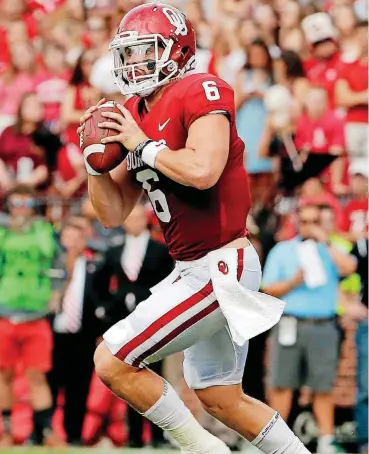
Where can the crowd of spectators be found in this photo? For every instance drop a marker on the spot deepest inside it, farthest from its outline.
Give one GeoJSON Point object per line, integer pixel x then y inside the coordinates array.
{"type": "Point", "coordinates": [299, 70]}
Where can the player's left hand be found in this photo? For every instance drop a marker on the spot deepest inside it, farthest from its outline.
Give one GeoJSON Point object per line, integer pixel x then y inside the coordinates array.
{"type": "Point", "coordinates": [130, 134]}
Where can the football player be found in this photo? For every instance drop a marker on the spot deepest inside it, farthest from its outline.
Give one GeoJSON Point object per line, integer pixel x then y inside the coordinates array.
{"type": "Point", "coordinates": [186, 155]}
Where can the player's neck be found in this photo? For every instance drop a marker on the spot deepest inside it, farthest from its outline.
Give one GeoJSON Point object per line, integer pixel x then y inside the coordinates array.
{"type": "Point", "coordinates": [151, 100]}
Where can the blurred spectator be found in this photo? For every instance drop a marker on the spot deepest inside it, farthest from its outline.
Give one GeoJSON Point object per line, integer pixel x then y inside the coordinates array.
{"type": "Point", "coordinates": [291, 73]}
{"type": "Point", "coordinates": [320, 130]}
{"type": "Point", "coordinates": [349, 286]}
{"type": "Point", "coordinates": [360, 313]}
{"type": "Point", "coordinates": [305, 272]}
{"type": "Point", "coordinates": [27, 250]}
{"type": "Point", "coordinates": [71, 176]}
{"type": "Point", "coordinates": [123, 281]}
{"type": "Point", "coordinates": [67, 33]}
{"type": "Point", "coordinates": [352, 93]}
{"type": "Point", "coordinates": [19, 79]}
{"type": "Point", "coordinates": [80, 95]}
{"type": "Point", "coordinates": [290, 36]}
{"type": "Point", "coordinates": [101, 238]}
{"type": "Point", "coordinates": [98, 34]}
{"type": "Point", "coordinates": [355, 221]}
{"type": "Point", "coordinates": [28, 150]}
{"type": "Point", "coordinates": [266, 18]}
{"type": "Point", "coordinates": [52, 84]}
{"type": "Point", "coordinates": [325, 62]}
{"type": "Point", "coordinates": [252, 82]}
{"type": "Point", "coordinates": [101, 72]}
{"type": "Point", "coordinates": [76, 329]}
{"type": "Point", "coordinates": [344, 19]}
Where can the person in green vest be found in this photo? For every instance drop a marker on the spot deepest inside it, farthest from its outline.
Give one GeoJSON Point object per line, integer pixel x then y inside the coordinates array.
{"type": "Point", "coordinates": [27, 253]}
{"type": "Point", "coordinates": [350, 285]}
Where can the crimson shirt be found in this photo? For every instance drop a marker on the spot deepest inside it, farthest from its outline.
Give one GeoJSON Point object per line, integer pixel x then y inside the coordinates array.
{"type": "Point", "coordinates": [14, 146]}
{"type": "Point", "coordinates": [194, 222]}
{"type": "Point", "coordinates": [321, 134]}
{"type": "Point", "coordinates": [50, 90]}
{"type": "Point", "coordinates": [356, 76]}
{"type": "Point", "coordinates": [323, 73]}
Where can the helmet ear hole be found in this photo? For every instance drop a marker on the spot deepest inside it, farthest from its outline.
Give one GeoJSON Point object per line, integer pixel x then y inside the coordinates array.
{"type": "Point", "coordinates": [184, 51]}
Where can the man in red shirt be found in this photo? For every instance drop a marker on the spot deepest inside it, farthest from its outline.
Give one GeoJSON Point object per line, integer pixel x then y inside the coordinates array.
{"type": "Point", "coordinates": [320, 130]}
{"type": "Point", "coordinates": [355, 216]}
{"type": "Point", "coordinates": [323, 66]}
{"type": "Point", "coordinates": [351, 92]}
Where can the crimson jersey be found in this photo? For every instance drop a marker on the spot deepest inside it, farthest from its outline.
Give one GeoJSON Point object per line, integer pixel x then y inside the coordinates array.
{"type": "Point", "coordinates": [194, 222]}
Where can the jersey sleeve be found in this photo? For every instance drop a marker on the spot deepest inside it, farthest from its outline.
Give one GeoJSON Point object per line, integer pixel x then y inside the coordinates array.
{"type": "Point", "coordinates": [206, 96]}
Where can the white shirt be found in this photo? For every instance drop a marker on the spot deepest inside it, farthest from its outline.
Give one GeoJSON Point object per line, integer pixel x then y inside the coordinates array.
{"type": "Point", "coordinates": [133, 255]}
{"type": "Point", "coordinates": [72, 305]}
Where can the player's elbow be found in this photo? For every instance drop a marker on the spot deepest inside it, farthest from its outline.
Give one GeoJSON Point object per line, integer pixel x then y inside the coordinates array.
{"type": "Point", "coordinates": [204, 179]}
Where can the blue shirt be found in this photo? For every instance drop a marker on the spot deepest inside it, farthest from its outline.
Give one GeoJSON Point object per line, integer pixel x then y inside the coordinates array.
{"type": "Point", "coordinates": [282, 265]}
{"type": "Point", "coordinates": [250, 126]}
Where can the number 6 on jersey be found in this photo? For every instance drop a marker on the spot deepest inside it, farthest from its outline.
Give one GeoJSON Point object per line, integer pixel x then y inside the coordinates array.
{"type": "Point", "coordinates": [211, 90]}
{"type": "Point", "coordinates": [157, 197]}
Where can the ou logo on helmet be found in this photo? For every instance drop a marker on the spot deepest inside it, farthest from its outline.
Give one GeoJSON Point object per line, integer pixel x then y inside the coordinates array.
{"type": "Point", "coordinates": [177, 19]}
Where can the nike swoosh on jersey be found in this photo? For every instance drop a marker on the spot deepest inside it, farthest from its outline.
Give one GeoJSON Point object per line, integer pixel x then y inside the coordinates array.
{"type": "Point", "coordinates": [161, 127]}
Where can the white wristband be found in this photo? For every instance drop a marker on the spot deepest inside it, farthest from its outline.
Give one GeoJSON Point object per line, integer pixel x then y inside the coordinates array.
{"type": "Point", "coordinates": [151, 150]}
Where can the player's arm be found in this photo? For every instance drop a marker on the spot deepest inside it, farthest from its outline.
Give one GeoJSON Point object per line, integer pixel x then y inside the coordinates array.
{"type": "Point", "coordinates": [202, 162]}
{"type": "Point", "coordinates": [207, 111]}
{"type": "Point", "coordinates": [113, 195]}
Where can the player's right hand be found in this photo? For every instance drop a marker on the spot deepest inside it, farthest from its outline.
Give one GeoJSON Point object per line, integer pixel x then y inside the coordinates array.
{"type": "Point", "coordinates": [87, 115]}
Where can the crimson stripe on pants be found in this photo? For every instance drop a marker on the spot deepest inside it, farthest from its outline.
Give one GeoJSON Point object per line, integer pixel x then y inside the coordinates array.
{"type": "Point", "coordinates": [176, 332]}
{"type": "Point", "coordinates": [164, 320]}
{"type": "Point", "coordinates": [171, 315]}
{"type": "Point", "coordinates": [240, 255]}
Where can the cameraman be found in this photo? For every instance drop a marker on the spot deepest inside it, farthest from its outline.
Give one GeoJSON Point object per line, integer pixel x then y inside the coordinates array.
{"type": "Point", "coordinates": [27, 249]}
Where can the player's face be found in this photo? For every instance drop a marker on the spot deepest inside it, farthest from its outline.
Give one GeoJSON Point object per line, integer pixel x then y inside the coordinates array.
{"type": "Point", "coordinates": [144, 56]}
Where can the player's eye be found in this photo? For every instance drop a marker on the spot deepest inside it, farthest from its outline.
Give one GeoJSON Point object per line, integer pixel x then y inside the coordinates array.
{"type": "Point", "coordinates": [150, 50]}
{"type": "Point", "coordinates": [128, 51]}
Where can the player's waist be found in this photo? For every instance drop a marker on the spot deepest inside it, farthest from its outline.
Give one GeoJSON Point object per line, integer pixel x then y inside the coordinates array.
{"type": "Point", "coordinates": [239, 243]}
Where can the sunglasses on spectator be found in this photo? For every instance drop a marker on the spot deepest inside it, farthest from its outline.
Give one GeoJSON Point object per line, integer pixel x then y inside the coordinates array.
{"type": "Point", "coordinates": [30, 203]}
{"type": "Point", "coordinates": [309, 221]}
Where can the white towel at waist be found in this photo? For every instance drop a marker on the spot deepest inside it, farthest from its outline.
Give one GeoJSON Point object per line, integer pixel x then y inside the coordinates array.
{"type": "Point", "coordinates": [247, 312]}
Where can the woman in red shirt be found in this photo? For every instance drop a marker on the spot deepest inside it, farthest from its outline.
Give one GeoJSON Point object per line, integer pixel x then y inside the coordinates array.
{"type": "Point", "coordinates": [18, 79]}
{"type": "Point", "coordinates": [79, 96]}
{"type": "Point", "coordinates": [27, 149]}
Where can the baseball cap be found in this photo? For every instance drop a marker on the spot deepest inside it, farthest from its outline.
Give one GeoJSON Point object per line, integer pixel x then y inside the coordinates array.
{"type": "Point", "coordinates": [318, 27]}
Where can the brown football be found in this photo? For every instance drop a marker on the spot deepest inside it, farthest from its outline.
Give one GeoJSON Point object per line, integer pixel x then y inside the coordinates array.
{"type": "Point", "coordinates": [101, 157]}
